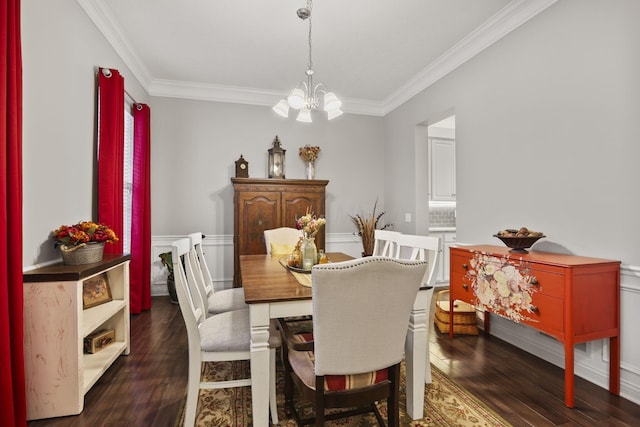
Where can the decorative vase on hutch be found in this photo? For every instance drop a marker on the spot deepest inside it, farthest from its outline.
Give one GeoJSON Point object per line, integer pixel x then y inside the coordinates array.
{"type": "Point", "coordinates": [310, 170]}
{"type": "Point", "coordinates": [309, 253]}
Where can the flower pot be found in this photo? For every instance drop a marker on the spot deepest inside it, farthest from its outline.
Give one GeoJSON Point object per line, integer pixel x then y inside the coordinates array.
{"type": "Point", "coordinates": [171, 287]}
{"type": "Point", "coordinates": [310, 170]}
{"type": "Point", "coordinates": [84, 253]}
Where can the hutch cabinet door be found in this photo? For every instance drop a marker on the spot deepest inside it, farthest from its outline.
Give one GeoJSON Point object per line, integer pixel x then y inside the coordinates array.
{"type": "Point", "coordinates": [295, 205]}
{"type": "Point", "coordinates": [259, 212]}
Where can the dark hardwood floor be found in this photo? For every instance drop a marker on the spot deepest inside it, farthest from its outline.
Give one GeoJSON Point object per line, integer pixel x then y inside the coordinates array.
{"type": "Point", "coordinates": [146, 388]}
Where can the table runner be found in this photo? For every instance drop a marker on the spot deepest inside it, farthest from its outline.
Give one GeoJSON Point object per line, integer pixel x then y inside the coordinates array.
{"type": "Point", "coordinates": [303, 278]}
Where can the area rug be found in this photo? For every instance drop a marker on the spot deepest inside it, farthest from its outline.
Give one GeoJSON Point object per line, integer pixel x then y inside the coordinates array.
{"type": "Point", "coordinates": [446, 404]}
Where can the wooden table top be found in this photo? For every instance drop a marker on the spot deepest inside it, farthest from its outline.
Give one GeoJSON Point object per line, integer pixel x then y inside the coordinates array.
{"type": "Point", "coordinates": [264, 279]}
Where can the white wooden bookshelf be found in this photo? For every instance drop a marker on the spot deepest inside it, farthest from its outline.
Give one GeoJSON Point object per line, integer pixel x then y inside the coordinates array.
{"type": "Point", "coordinates": [58, 373]}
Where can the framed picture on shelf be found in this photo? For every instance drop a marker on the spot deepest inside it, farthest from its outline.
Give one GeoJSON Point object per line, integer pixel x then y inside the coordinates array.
{"type": "Point", "coordinates": [96, 291]}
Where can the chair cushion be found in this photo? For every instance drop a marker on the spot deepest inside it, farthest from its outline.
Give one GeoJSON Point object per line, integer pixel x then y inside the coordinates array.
{"type": "Point", "coordinates": [281, 249]}
{"type": "Point", "coordinates": [226, 332]}
{"type": "Point", "coordinates": [226, 300]}
{"type": "Point", "coordinates": [230, 331]}
{"type": "Point", "coordinates": [302, 362]}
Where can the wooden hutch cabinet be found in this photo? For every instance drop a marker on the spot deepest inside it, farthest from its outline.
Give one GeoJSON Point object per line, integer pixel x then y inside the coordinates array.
{"type": "Point", "coordinates": [263, 204]}
{"type": "Point", "coordinates": [572, 298]}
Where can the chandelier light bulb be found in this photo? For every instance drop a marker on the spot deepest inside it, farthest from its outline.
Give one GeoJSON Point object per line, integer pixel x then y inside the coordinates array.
{"type": "Point", "coordinates": [282, 108]}
{"type": "Point", "coordinates": [304, 116]}
{"type": "Point", "coordinates": [331, 101]}
{"type": "Point", "coordinates": [296, 99]}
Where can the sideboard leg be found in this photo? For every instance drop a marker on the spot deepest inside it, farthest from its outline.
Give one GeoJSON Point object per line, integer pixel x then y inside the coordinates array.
{"type": "Point", "coordinates": [487, 324]}
{"type": "Point", "coordinates": [568, 374]}
{"type": "Point", "coordinates": [614, 365]}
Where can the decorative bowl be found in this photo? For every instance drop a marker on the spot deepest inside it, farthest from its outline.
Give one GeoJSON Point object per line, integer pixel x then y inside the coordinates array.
{"type": "Point", "coordinates": [519, 244]}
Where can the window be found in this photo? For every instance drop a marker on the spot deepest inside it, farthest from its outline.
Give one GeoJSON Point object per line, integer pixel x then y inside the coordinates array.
{"type": "Point", "coordinates": [128, 177]}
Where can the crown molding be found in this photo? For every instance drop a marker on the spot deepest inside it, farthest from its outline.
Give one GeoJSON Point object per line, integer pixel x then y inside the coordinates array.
{"type": "Point", "coordinates": [111, 30]}
{"type": "Point", "coordinates": [244, 95]}
{"type": "Point", "coordinates": [506, 20]}
{"type": "Point", "coordinates": [499, 25]}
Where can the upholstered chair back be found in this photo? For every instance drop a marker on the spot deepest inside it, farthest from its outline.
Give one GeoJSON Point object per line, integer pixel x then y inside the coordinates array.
{"type": "Point", "coordinates": [361, 311]}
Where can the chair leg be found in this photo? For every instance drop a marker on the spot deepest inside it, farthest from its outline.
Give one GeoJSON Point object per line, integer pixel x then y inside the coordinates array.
{"type": "Point", "coordinates": [272, 386]}
{"type": "Point", "coordinates": [319, 403]}
{"type": "Point", "coordinates": [427, 372]}
{"type": "Point", "coordinates": [288, 382]}
{"type": "Point", "coordinates": [393, 401]}
{"type": "Point", "coordinates": [193, 389]}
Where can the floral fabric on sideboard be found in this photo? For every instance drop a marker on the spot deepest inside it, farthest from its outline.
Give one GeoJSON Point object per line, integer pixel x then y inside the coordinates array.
{"type": "Point", "coordinates": [502, 285]}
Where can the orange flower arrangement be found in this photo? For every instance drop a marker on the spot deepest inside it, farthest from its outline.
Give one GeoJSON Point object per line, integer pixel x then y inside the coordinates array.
{"type": "Point", "coordinates": [83, 232]}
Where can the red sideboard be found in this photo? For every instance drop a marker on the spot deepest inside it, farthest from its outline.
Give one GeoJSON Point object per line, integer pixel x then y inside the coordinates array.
{"type": "Point", "coordinates": [571, 298]}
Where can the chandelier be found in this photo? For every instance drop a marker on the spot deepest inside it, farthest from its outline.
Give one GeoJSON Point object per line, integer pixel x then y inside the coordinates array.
{"type": "Point", "coordinates": [306, 96]}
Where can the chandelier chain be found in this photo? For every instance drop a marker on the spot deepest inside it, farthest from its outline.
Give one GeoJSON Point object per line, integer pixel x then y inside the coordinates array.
{"type": "Point", "coordinates": [310, 6]}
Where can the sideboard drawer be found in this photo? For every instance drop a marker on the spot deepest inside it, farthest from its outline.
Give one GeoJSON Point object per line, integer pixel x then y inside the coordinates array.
{"type": "Point", "coordinates": [460, 264]}
{"type": "Point", "coordinates": [547, 315]}
{"type": "Point", "coordinates": [460, 288]}
{"type": "Point", "coordinates": [549, 282]}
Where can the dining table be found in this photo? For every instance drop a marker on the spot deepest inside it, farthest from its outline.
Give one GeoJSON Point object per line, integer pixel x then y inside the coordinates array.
{"type": "Point", "coordinates": [272, 291]}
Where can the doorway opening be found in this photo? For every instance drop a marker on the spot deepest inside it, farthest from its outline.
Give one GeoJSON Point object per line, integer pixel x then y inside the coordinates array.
{"type": "Point", "coordinates": [435, 145]}
{"type": "Point", "coordinates": [442, 173]}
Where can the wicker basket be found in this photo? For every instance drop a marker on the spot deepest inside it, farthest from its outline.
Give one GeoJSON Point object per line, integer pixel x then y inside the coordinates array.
{"type": "Point", "coordinates": [84, 253]}
{"type": "Point", "coordinates": [464, 315]}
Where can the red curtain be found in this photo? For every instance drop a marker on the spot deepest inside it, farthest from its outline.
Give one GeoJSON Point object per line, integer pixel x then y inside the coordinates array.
{"type": "Point", "coordinates": [111, 154]}
{"type": "Point", "coordinates": [140, 287]}
{"type": "Point", "coordinates": [12, 381]}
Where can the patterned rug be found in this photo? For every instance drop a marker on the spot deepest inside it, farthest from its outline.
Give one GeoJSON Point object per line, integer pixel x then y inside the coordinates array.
{"type": "Point", "coordinates": [446, 403]}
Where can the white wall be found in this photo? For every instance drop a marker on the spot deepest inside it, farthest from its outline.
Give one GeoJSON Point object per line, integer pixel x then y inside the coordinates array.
{"type": "Point", "coordinates": [547, 135]}
{"type": "Point", "coordinates": [61, 49]}
{"type": "Point", "coordinates": [196, 143]}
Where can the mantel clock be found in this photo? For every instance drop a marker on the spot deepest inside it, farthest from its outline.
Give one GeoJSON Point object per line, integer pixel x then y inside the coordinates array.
{"type": "Point", "coordinates": [242, 168]}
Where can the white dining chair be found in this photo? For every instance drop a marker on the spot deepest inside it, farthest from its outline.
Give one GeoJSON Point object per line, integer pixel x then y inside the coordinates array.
{"type": "Point", "coordinates": [219, 301]}
{"type": "Point", "coordinates": [282, 239]}
{"type": "Point", "coordinates": [385, 242]}
{"type": "Point", "coordinates": [423, 248]}
{"type": "Point", "coordinates": [218, 338]}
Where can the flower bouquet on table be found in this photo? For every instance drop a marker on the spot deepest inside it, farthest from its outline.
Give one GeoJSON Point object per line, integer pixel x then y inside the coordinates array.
{"type": "Point", "coordinates": [310, 224]}
{"type": "Point", "coordinates": [83, 243]}
{"type": "Point", "coordinates": [308, 252]}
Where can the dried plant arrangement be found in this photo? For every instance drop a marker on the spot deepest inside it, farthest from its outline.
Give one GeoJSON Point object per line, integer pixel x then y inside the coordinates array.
{"type": "Point", "coordinates": [367, 226]}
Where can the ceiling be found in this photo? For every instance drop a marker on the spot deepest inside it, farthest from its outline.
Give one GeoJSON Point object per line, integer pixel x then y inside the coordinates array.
{"type": "Point", "coordinates": [373, 55]}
